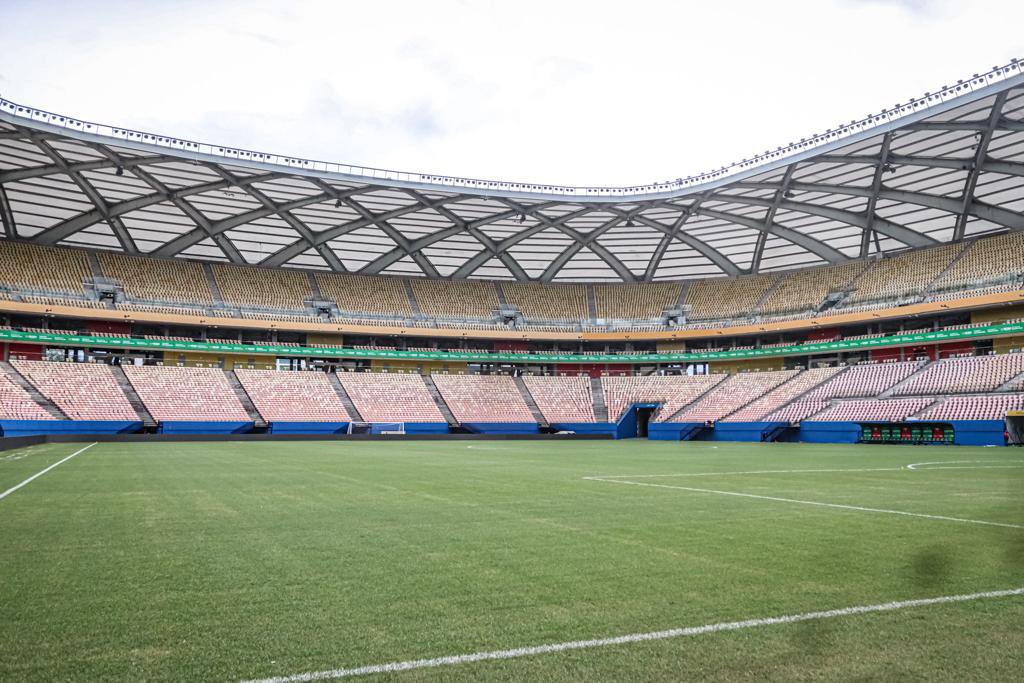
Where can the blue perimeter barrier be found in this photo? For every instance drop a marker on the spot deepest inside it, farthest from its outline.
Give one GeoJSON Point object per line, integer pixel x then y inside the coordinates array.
{"type": "Point", "coordinates": [587, 428]}
{"type": "Point", "coordinates": [502, 427]}
{"type": "Point", "coordinates": [307, 428]}
{"type": "Point", "coordinates": [978, 432]}
{"type": "Point", "coordinates": [426, 427]}
{"type": "Point", "coordinates": [189, 427]}
{"type": "Point", "coordinates": [744, 431]}
{"type": "Point", "coordinates": [830, 432]}
{"type": "Point", "coordinates": [31, 427]}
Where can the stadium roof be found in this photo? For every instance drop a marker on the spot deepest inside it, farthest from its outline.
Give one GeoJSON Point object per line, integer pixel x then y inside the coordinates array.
{"type": "Point", "coordinates": [939, 168]}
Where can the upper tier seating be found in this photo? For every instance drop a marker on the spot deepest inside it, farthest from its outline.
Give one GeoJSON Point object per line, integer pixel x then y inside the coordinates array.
{"type": "Point", "coordinates": [732, 394]}
{"type": "Point", "coordinates": [964, 375]}
{"type": "Point", "coordinates": [547, 302]}
{"type": "Point", "coordinates": [986, 259]}
{"type": "Point", "coordinates": [390, 397]}
{"type": "Point", "coordinates": [291, 396]}
{"type": "Point", "coordinates": [16, 404]}
{"type": "Point", "coordinates": [455, 298]}
{"type": "Point", "coordinates": [644, 301]}
{"type": "Point", "coordinates": [991, 407]}
{"type": "Point", "coordinates": [483, 398]}
{"type": "Point", "coordinates": [158, 279]}
{"type": "Point", "coordinates": [871, 409]}
{"type": "Point", "coordinates": [775, 399]}
{"type": "Point", "coordinates": [672, 391]}
{"type": "Point", "coordinates": [807, 288]}
{"type": "Point", "coordinates": [31, 267]}
{"type": "Point", "coordinates": [797, 411]}
{"type": "Point", "coordinates": [562, 399]}
{"type": "Point", "coordinates": [264, 287]}
{"type": "Point", "coordinates": [365, 294]}
{"type": "Point", "coordinates": [903, 274]}
{"type": "Point", "coordinates": [188, 394]}
{"type": "Point", "coordinates": [84, 391]}
{"type": "Point", "coordinates": [864, 380]}
{"type": "Point", "coordinates": [726, 297]}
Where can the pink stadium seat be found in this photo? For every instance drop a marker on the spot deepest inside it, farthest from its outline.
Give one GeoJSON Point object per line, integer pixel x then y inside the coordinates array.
{"type": "Point", "coordinates": [759, 409]}
{"type": "Point", "coordinates": [732, 394]}
{"type": "Point", "coordinates": [672, 391]}
{"type": "Point", "coordinates": [864, 380]}
{"type": "Point", "coordinates": [965, 375]}
{"type": "Point", "coordinates": [16, 404]}
{"type": "Point", "coordinates": [562, 399]}
{"type": "Point", "coordinates": [291, 396]}
{"type": "Point", "coordinates": [84, 391]}
{"type": "Point", "coordinates": [873, 409]}
{"type": "Point", "coordinates": [187, 394]}
{"type": "Point", "coordinates": [390, 397]}
{"type": "Point", "coordinates": [483, 398]}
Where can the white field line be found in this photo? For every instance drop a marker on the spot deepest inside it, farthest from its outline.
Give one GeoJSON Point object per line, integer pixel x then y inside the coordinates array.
{"type": "Point", "coordinates": [719, 474]}
{"type": "Point", "coordinates": [924, 465]}
{"type": "Point", "coordinates": [41, 473]}
{"type": "Point", "coordinates": [807, 502]}
{"type": "Point", "coordinates": [452, 660]}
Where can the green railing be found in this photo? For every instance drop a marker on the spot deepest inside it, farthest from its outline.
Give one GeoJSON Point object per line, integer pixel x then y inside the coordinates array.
{"type": "Point", "coordinates": [504, 356]}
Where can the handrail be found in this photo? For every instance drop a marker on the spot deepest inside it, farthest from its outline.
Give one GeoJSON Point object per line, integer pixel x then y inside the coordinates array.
{"type": "Point", "coordinates": [854, 127]}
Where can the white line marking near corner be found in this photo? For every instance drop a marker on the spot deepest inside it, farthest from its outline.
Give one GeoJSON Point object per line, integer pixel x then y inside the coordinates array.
{"type": "Point", "coordinates": [453, 660]}
{"type": "Point", "coordinates": [923, 465]}
{"type": "Point", "coordinates": [39, 474]}
{"type": "Point", "coordinates": [809, 502]}
{"type": "Point", "coordinates": [722, 474]}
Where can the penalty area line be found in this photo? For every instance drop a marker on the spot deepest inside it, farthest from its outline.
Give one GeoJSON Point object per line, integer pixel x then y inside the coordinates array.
{"type": "Point", "coordinates": [41, 473]}
{"type": "Point", "coordinates": [453, 660]}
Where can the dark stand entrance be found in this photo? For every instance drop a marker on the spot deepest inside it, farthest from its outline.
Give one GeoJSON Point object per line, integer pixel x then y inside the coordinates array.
{"type": "Point", "coordinates": [643, 416]}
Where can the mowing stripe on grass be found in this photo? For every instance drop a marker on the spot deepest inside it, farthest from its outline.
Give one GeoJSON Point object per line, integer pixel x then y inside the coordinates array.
{"type": "Point", "coordinates": [39, 474]}
{"type": "Point", "coordinates": [808, 502]}
{"type": "Point", "coordinates": [631, 638]}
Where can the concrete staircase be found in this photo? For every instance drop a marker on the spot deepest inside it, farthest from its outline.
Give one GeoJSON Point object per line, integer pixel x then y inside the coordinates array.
{"type": "Point", "coordinates": [756, 308]}
{"type": "Point", "coordinates": [132, 396]}
{"type": "Point", "coordinates": [591, 302]}
{"type": "Point", "coordinates": [1010, 383]}
{"type": "Point", "coordinates": [212, 282]}
{"type": "Point", "coordinates": [524, 391]}
{"type": "Point", "coordinates": [668, 418]}
{"type": "Point", "coordinates": [442, 405]}
{"type": "Point", "coordinates": [500, 293]}
{"type": "Point", "coordinates": [597, 392]}
{"type": "Point", "coordinates": [245, 399]}
{"type": "Point", "coordinates": [44, 403]}
{"type": "Point", "coordinates": [346, 400]}
{"type": "Point", "coordinates": [412, 299]}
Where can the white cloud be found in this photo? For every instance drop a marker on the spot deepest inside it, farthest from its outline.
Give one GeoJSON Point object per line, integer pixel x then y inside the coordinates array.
{"type": "Point", "coordinates": [573, 92]}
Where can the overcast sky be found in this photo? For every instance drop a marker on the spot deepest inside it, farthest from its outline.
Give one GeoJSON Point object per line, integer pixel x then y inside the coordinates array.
{"type": "Point", "coordinates": [561, 92]}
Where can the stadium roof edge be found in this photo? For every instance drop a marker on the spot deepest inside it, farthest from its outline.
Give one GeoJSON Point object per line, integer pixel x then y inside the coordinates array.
{"type": "Point", "coordinates": [948, 97]}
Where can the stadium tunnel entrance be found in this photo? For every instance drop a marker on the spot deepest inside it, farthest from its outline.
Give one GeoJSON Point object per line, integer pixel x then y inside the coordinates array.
{"type": "Point", "coordinates": [635, 422]}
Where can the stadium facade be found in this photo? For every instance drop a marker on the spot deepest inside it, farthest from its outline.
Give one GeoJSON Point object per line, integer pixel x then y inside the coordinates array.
{"type": "Point", "coordinates": [867, 276]}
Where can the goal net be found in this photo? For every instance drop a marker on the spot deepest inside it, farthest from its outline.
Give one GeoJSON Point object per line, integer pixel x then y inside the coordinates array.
{"type": "Point", "coordinates": [376, 428]}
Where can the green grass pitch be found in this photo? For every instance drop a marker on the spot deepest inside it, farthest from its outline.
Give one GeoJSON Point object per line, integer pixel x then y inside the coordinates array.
{"type": "Point", "coordinates": [234, 561]}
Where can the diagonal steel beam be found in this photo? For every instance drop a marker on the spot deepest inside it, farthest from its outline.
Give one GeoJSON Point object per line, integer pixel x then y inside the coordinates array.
{"type": "Point", "coordinates": [876, 186]}
{"type": "Point", "coordinates": [769, 218]}
{"type": "Point", "coordinates": [574, 248]}
{"type": "Point", "coordinates": [294, 223]}
{"type": "Point", "coordinates": [613, 261]}
{"type": "Point", "coordinates": [295, 248]}
{"type": "Point", "coordinates": [115, 223]}
{"type": "Point", "coordinates": [988, 165]}
{"type": "Point", "coordinates": [971, 183]}
{"type": "Point", "coordinates": [816, 247]}
{"type": "Point", "coordinates": [6, 215]}
{"type": "Point", "coordinates": [980, 126]}
{"type": "Point", "coordinates": [659, 252]}
{"type": "Point", "coordinates": [485, 241]}
{"type": "Point", "coordinates": [898, 232]}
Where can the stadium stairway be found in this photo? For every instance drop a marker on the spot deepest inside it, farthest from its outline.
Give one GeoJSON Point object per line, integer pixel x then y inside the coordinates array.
{"type": "Point", "coordinates": [1011, 384]}
{"type": "Point", "coordinates": [600, 407]}
{"type": "Point", "coordinates": [132, 396]}
{"type": "Point", "coordinates": [888, 393]}
{"type": "Point", "coordinates": [591, 302]}
{"type": "Point", "coordinates": [45, 403]}
{"type": "Point", "coordinates": [346, 400]}
{"type": "Point", "coordinates": [415, 305]}
{"type": "Point", "coordinates": [243, 397]}
{"type": "Point", "coordinates": [524, 391]}
{"type": "Point", "coordinates": [796, 398]}
{"type": "Point", "coordinates": [756, 308]}
{"type": "Point", "coordinates": [218, 298]}
{"type": "Point", "coordinates": [442, 405]}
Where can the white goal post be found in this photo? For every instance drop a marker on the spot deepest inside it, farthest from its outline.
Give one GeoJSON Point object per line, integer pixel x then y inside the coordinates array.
{"type": "Point", "coordinates": [376, 428]}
